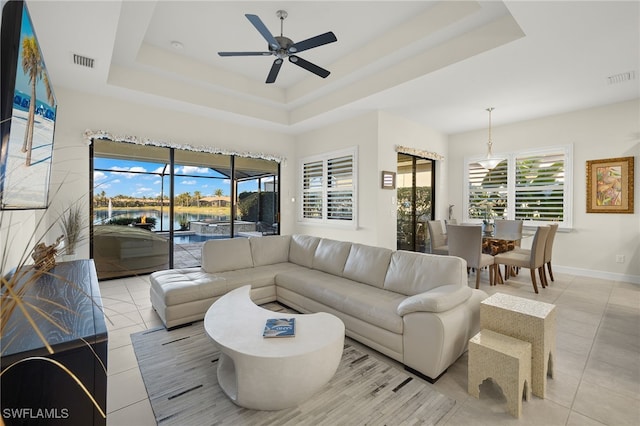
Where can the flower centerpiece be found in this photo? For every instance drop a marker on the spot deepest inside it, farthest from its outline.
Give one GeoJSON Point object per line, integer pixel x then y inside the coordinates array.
{"type": "Point", "coordinates": [487, 225]}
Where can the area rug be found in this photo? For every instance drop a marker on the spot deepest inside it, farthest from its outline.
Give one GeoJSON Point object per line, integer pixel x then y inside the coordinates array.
{"type": "Point", "coordinates": [179, 371]}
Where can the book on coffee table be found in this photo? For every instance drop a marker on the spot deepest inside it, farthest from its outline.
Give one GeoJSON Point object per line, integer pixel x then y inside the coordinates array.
{"type": "Point", "coordinates": [279, 327]}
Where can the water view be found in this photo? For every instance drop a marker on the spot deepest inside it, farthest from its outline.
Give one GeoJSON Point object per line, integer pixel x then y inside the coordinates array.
{"type": "Point", "coordinates": [102, 216]}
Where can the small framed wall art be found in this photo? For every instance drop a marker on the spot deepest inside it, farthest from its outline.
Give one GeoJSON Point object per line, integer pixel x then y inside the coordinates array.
{"type": "Point", "coordinates": [610, 185]}
{"type": "Point", "coordinates": [388, 180]}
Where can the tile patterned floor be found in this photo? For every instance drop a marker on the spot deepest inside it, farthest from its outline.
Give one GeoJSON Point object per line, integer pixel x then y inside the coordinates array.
{"type": "Point", "coordinates": [597, 367]}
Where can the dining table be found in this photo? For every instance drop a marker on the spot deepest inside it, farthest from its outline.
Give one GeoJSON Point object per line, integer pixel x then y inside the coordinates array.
{"type": "Point", "coordinates": [500, 242]}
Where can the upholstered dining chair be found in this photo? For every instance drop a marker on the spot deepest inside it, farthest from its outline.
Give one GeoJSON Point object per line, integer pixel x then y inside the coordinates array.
{"type": "Point", "coordinates": [548, 249]}
{"type": "Point", "coordinates": [508, 226]}
{"type": "Point", "coordinates": [437, 239]}
{"type": "Point", "coordinates": [466, 242]}
{"type": "Point", "coordinates": [532, 260]}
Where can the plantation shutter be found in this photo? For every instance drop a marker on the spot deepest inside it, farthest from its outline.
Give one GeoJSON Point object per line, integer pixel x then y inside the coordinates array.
{"type": "Point", "coordinates": [539, 188]}
{"type": "Point", "coordinates": [312, 178]}
{"type": "Point", "coordinates": [329, 188]}
{"type": "Point", "coordinates": [340, 188]}
{"type": "Point", "coordinates": [487, 186]}
{"type": "Point", "coordinates": [532, 185]}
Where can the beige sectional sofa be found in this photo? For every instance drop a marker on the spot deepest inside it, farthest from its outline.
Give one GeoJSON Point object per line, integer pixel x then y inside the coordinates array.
{"type": "Point", "coordinates": [415, 308]}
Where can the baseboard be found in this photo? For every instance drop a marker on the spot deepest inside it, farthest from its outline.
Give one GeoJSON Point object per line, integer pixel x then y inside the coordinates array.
{"type": "Point", "coordinates": [613, 276]}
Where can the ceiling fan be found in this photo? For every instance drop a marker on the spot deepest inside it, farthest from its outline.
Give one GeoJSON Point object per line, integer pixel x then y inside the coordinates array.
{"type": "Point", "coordinates": [283, 47]}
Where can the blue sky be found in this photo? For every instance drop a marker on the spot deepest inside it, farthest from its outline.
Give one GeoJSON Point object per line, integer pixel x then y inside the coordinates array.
{"type": "Point", "coordinates": [119, 179]}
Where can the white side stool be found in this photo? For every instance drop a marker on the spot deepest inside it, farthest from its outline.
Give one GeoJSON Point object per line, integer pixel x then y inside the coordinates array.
{"type": "Point", "coordinates": [504, 359]}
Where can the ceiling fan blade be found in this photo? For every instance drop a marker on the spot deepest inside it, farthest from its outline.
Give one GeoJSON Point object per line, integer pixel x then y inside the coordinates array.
{"type": "Point", "coordinates": [275, 68]}
{"type": "Point", "coordinates": [262, 29]}
{"type": "Point", "coordinates": [319, 71]}
{"type": "Point", "coordinates": [244, 53]}
{"type": "Point", "coordinates": [312, 42]}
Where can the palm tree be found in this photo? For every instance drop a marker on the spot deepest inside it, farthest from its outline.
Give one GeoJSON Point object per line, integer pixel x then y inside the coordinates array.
{"type": "Point", "coordinates": [33, 66]}
{"type": "Point", "coordinates": [197, 195]}
{"type": "Point", "coordinates": [218, 193]}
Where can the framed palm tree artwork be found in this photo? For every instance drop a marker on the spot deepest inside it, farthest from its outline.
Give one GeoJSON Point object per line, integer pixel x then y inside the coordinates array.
{"type": "Point", "coordinates": [28, 114]}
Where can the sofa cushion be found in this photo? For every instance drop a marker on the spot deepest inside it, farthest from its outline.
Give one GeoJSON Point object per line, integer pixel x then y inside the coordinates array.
{"type": "Point", "coordinates": [412, 273]}
{"type": "Point", "coordinates": [367, 264]}
{"type": "Point", "coordinates": [302, 248]}
{"type": "Point", "coordinates": [226, 255]}
{"type": "Point", "coordinates": [270, 249]}
{"type": "Point", "coordinates": [437, 300]}
{"type": "Point", "coordinates": [330, 256]}
{"type": "Point", "coordinates": [369, 304]}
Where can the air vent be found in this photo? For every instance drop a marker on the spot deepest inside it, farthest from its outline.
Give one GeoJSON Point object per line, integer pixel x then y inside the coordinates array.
{"type": "Point", "coordinates": [83, 61]}
{"type": "Point", "coordinates": [622, 77]}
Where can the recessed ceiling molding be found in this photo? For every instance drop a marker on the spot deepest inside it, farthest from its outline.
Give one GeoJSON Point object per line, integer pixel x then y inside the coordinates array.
{"type": "Point", "coordinates": [432, 20]}
{"type": "Point", "coordinates": [183, 91]}
{"type": "Point", "coordinates": [133, 21]}
{"type": "Point", "coordinates": [487, 37]}
{"type": "Point", "coordinates": [161, 59]}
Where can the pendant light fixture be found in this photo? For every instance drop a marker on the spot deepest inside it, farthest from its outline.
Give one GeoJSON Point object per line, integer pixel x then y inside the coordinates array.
{"type": "Point", "coordinates": [490, 161]}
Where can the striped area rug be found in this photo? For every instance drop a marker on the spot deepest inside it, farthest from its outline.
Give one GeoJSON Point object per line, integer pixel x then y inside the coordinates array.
{"type": "Point", "coordinates": [179, 371]}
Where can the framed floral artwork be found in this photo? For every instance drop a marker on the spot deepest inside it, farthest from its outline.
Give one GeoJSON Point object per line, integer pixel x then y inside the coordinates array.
{"type": "Point", "coordinates": [610, 185]}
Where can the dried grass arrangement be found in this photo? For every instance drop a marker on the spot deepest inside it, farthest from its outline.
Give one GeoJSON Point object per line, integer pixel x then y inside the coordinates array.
{"type": "Point", "coordinates": [71, 222]}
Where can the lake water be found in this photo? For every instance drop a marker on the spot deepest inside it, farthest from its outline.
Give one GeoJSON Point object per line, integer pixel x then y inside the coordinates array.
{"type": "Point", "coordinates": [162, 221]}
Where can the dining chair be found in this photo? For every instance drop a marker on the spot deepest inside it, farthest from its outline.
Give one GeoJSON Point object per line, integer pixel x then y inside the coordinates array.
{"type": "Point", "coordinates": [437, 239]}
{"type": "Point", "coordinates": [508, 226]}
{"type": "Point", "coordinates": [532, 260]}
{"type": "Point", "coordinates": [466, 242]}
{"type": "Point", "coordinates": [548, 249]}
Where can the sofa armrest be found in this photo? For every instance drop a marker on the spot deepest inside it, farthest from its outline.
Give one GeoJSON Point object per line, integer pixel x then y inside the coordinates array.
{"type": "Point", "coordinates": [439, 299]}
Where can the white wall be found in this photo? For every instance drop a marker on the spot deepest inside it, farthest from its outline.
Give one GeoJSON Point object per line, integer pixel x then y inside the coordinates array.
{"type": "Point", "coordinates": [606, 132]}
{"type": "Point", "coordinates": [394, 131]}
{"type": "Point", "coordinates": [376, 134]}
{"type": "Point", "coordinates": [590, 249]}
{"type": "Point", "coordinates": [361, 131]}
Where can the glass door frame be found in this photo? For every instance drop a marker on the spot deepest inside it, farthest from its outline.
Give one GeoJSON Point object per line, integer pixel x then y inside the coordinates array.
{"type": "Point", "coordinates": [413, 243]}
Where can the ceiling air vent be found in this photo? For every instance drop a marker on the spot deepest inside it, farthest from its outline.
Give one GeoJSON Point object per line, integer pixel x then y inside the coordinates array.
{"type": "Point", "coordinates": [83, 61]}
{"type": "Point", "coordinates": [622, 77]}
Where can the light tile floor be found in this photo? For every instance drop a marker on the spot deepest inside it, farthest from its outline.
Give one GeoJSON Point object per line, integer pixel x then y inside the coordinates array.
{"type": "Point", "coordinates": [597, 369]}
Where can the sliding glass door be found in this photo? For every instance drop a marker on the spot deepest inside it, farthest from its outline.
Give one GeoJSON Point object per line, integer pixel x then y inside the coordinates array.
{"type": "Point", "coordinates": [180, 199]}
{"type": "Point", "coordinates": [415, 183]}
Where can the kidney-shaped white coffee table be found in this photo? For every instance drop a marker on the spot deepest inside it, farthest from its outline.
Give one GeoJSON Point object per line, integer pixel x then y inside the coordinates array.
{"type": "Point", "coordinates": [271, 373]}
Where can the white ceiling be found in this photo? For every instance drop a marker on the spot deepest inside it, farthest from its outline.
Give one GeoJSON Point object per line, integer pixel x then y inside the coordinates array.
{"type": "Point", "coordinates": [440, 63]}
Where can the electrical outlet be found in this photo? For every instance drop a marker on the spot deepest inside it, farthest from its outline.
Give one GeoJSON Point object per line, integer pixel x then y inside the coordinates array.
{"type": "Point", "coordinates": [619, 258]}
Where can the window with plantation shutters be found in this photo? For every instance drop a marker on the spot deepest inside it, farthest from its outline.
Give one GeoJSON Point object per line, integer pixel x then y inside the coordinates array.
{"type": "Point", "coordinates": [539, 187]}
{"type": "Point", "coordinates": [534, 186]}
{"type": "Point", "coordinates": [312, 178]}
{"type": "Point", "coordinates": [328, 188]}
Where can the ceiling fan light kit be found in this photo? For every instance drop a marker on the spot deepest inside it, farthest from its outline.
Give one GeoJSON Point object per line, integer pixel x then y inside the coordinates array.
{"type": "Point", "coordinates": [283, 47]}
{"type": "Point", "coordinates": [490, 162]}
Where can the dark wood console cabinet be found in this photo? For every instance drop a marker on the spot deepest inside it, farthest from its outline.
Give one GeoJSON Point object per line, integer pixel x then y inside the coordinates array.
{"type": "Point", "coordinates": [37, 392]}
